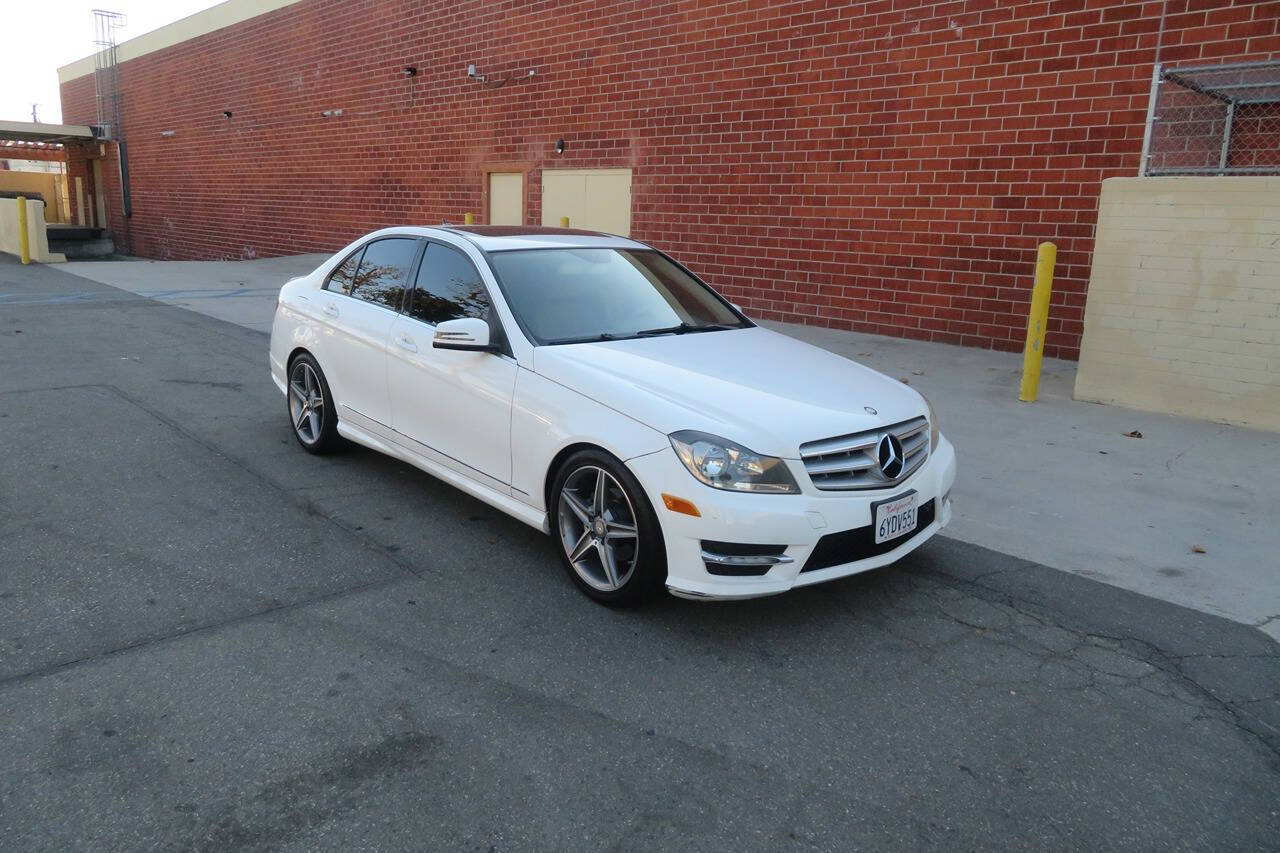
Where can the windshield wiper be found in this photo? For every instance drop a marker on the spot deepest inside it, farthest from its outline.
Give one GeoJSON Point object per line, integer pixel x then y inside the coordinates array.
{"type": "Point", "coordinates": [588, 339]}
{"type": "Point", "coordinates": [682, 329]}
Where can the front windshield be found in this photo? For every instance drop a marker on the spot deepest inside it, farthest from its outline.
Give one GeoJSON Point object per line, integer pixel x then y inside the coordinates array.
{"type": "Point", "coordinates": [573, 295]}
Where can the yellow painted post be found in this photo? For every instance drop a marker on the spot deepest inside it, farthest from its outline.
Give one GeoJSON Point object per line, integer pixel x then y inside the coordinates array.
{"type": "Point", "coordinates": [564, 222]}
{"type": "Point", "coordinates": [1033, 351]}
{"type": "Point", "coordinates": [468, 219]}
{"type": "Point", "coordinates": [23, 240]}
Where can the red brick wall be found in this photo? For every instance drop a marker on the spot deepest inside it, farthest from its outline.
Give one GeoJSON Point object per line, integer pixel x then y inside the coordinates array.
{"type": "Point", "coordinates": [78, 167]}
{"type": "Point", "coordinates": [1255, 136]}
{"type": "Point", "coordinates": [885, 166]}
{"type": "Point", "coordinates": [80, 158]}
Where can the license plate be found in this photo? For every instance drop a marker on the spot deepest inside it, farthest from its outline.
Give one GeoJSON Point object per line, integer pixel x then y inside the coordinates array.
{"type": "Point", "coordinates": [895, 517]}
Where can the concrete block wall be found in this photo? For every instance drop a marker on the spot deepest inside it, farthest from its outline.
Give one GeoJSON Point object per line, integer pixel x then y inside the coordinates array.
{"type": "Point", "coordinates": [886, 165]}
{"type": "Point", "coordinates": [1183, 310]}
{"type": "Point", "coordinates": [37, 236]}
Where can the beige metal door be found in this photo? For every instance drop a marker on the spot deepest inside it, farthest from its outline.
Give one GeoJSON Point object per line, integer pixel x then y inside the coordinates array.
{"type": "Point", "coordinates": [506, 198]}
{"type": "Point", "coordinates": [598, 199]}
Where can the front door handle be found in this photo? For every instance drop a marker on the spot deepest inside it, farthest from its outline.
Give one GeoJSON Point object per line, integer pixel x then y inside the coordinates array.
{"type": "Point", "coordinates": [405, 342]}
{"type": "Point", "coordinates": [331, 309]}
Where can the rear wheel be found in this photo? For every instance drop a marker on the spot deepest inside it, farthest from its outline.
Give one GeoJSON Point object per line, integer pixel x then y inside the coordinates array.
{"type": "Point", "coordinates": [609, 538]}
{"type": "Point", "coordinates": [311, 410]}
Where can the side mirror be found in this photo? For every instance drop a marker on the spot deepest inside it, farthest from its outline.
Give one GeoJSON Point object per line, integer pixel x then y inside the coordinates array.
{"type": "Point", "coordinates": [466, 333]}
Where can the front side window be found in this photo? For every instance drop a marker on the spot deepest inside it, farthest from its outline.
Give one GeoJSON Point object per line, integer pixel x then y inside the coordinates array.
{"type": "Point", "coordinates": [342, 277]}
{"type": "Point", "coordinates": [384, 271]}
{"type": "Point", "coordinates": [447, 287]}
{"type": "Point", "coordinates": [573, 295]}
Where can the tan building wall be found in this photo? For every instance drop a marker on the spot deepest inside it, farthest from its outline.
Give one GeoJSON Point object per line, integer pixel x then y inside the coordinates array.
{"type": "Point", "coordinates": [1183, 309]}
{"type": "Point", "coordinates": [44, 183]}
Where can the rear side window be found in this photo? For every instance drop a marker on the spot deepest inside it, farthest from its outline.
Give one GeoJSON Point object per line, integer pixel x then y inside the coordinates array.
{"type": "Point", "coordinates": [448, 287]}
{"type": "Point", "coordinates": [341, 278]}
{"type": "Point", "coordinates": [384, 271]}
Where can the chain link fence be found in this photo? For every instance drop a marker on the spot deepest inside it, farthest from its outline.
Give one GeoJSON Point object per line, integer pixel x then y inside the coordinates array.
{"type": "Point", "coordinates": [1223, 120]}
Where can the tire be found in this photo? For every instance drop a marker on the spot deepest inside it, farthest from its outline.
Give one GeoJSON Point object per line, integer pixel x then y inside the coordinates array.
{"type": "Point", "coordinates": [620, 562]}
{"type": "Point", "coordinates": [312, 414]}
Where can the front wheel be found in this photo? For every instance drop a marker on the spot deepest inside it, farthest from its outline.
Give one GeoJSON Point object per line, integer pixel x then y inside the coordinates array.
{"type": "Point", "coordinates": [609, 538]}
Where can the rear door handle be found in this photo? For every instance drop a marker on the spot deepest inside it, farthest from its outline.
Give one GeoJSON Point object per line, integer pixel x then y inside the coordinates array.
{"type": "Point", "coordinates": [405, 342]}
{"type": "Point", "coordinates": [331, 309]}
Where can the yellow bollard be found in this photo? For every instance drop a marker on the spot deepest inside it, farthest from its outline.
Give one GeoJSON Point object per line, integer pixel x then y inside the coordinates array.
{"type": "Point", "coordinates": [1033, 351]}
{"type": "Point", "coordinates": [468, 219]}
{"type": "Point", "coordinates": [24, 245]}
{"type": "Point", "coordinates": [564, 222]}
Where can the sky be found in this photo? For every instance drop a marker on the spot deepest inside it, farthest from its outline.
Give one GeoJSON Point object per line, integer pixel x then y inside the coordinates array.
{"type": "Point", "coordinates": [37, 37]}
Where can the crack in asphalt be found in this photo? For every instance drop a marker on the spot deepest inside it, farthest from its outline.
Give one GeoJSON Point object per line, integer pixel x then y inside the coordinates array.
{"type": "Point", "coordinates": [1161, 660]}
{"type": "Point", "coordinates": [307, 505]}
{"type": "Point", "coordinates": [116, 651]}
{"type": "Point", "coordinates": [1006, 633]}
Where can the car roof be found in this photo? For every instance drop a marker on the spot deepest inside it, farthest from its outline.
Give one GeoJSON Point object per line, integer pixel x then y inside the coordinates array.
{"type": "Point", "coordinates": [506, 238]}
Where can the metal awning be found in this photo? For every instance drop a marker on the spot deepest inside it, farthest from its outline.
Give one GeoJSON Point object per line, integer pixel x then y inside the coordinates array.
{"type": "Point", "coordinates": [29, 131]}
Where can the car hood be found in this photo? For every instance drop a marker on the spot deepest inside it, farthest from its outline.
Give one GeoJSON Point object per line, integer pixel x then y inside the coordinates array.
{"type": "Point", "coordinates": [764, 390]}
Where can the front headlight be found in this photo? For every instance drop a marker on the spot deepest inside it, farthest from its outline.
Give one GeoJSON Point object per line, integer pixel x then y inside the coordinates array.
{"type": "Point", "coordinates": [933, 424]}
{"type": "Point", "coordinates": [722, 464]}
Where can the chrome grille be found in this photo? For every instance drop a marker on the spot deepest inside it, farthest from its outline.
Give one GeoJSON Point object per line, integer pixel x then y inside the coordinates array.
{"type": "Point", "coordinates": [848, 462]}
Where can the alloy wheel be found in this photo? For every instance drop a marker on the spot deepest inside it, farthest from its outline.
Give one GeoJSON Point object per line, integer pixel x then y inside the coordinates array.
{"type": "Point", "coordinates": [598, 528]}
{"type": "Point", "coordinates": [306, 402]}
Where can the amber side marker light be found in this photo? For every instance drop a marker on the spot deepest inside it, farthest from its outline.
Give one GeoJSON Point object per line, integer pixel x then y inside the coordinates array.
{"type": "Point", "coordinates": [676, 504]}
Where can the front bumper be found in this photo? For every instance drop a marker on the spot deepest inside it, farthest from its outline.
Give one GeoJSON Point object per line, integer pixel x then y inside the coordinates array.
{"type": "Point", "coordinates": [798, 522]}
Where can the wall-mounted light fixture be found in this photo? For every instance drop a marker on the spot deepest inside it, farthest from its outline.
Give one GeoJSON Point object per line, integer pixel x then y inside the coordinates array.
{"type": "Point", "coordinates": [329, 113]}
{"type": "Point", "coordinates": [410, 71]}
{"type": "Point", "coordinates": [226, 113]}
{"type": "Point", "coordinates": [482, 79]}
{"type": "Point", "coordinates": [559, 146]}
{"type": "Point", "coordinates": [166, 133]}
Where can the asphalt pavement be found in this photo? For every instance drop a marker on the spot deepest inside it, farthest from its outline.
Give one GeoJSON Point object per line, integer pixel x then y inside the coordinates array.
{"type": "Point", "coordinates": [211, 640]}
{"type": "Point", "coordinates": [1183, 513]}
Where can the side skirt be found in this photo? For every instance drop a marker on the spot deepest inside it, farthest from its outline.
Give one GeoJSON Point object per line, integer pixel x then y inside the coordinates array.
{"type": "Point", "coordinates": [512, 507]}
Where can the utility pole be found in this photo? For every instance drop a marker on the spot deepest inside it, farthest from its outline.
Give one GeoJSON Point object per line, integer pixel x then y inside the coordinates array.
{"type": "Point", "coordinates": [34, 120]}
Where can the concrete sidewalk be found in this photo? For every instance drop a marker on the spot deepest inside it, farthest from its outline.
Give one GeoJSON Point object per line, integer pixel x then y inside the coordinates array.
{"type": "Point", "coordinates": [1180, 514]}
{"type": "Point", "coordinates": [240, 292]}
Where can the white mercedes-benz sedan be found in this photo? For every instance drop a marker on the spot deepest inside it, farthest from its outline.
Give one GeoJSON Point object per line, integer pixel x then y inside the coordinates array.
{"type": "Point", "coordinates": [594, 388]}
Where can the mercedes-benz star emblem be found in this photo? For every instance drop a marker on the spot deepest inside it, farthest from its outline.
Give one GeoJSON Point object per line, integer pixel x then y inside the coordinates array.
{"type": "Point", "coordinates": [889, 453]}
